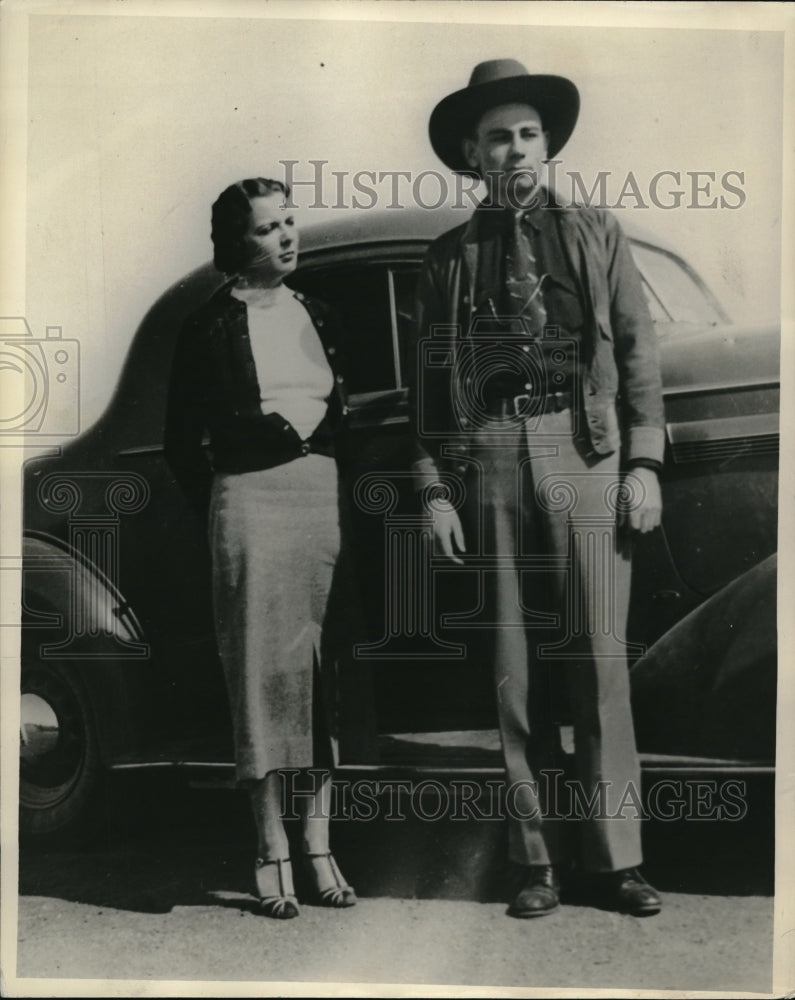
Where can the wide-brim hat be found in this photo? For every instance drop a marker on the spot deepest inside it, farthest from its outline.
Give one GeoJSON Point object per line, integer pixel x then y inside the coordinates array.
{"type": "Point", "coordinates": [502, 81]}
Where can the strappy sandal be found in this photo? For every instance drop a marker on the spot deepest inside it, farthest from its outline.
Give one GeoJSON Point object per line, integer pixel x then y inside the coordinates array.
{"type": "Point", "coordinates": [339, 895]}
{"type": "Point", "coordinates": [283, 906]}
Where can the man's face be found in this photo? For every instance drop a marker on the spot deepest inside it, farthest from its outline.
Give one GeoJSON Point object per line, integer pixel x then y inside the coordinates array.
{"type": "Point", "coordinates": [509, 147]}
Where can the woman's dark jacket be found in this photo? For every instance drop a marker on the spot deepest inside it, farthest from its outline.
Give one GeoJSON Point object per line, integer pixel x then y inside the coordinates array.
{"type": "Point", "coordinates": [214, 392]}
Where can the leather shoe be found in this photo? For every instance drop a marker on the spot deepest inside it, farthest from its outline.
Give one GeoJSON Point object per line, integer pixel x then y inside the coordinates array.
{"type": "Point", "coordinates": [629, 892]}
{"type": "Point", "coordinates": [540, 894]}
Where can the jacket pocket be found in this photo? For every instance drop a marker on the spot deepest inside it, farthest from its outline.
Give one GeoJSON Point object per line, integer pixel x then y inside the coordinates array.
{"type": "Point", "coordinates": [603, 426]}
{"type": "Point", "coordinates": [605, 329]}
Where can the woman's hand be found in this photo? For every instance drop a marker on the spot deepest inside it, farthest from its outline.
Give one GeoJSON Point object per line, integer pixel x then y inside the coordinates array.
{"type": "Point", "coordinates": [447, 530]}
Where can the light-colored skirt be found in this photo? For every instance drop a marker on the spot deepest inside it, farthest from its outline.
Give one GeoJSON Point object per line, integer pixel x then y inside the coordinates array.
{"type": "Point", "coordinates": [275, 537]}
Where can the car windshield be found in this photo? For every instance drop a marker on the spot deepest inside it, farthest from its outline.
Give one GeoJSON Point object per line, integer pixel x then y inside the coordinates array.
{"type": "Point", "coordinates": [673, 292]}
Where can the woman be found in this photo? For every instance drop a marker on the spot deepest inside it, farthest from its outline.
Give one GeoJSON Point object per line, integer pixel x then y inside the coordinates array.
{"type": "Point", "coordinates": [258, 369]}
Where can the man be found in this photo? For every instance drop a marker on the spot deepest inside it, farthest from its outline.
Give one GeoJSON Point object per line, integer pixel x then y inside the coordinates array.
{"type": "Point", "coordinates": [536, 397]}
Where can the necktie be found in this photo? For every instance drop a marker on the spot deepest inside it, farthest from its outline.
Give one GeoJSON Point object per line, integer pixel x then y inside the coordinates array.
{"type": "Point", "coordinates": [523, 295]}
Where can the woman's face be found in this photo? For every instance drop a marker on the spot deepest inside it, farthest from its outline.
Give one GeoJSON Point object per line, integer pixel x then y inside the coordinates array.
{"type": "Point", "coordinates": [271, 240]}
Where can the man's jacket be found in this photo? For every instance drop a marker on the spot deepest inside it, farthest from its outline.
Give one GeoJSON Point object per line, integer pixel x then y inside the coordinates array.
{"type": "Point", "coordinates": [619, 381]}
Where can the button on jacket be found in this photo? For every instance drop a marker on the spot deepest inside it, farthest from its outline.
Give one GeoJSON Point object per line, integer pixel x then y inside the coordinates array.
{"type": "Point", "coordinates": [214, 391]}
{"type": "Point", "coordinates": [619, 370]}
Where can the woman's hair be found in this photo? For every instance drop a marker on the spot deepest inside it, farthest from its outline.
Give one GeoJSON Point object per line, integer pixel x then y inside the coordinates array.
{"type": "Point", "coordinates": [231, 212]}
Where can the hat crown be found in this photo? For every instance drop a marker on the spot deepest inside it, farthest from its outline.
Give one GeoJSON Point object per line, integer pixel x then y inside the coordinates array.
{"type": "Point", "coordinates": [494, 83]}
{"type": "Point", "coordinates": [496, 69]}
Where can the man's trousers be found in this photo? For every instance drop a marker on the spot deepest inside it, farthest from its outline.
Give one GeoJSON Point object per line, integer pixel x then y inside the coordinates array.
{"type": "Point", "coordinates": [540, 524]}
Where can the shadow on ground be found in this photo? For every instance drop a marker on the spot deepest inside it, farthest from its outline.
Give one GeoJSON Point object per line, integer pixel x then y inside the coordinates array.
{"type": "Point", "coordinates": [161, 844]}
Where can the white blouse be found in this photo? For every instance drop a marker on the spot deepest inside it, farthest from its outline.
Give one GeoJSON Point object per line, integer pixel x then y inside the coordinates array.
{"type": "Point", "coordinates": [293, 373]}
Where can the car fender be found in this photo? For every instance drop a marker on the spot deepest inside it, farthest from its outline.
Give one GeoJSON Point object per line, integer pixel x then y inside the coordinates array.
{"type": "Point", "coordinates": [708, 686]}
{"type": "Point", "coordinates": [73, 616]}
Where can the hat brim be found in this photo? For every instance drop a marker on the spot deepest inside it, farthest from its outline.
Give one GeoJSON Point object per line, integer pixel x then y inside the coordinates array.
{"type": "Point", "coordinates": [454, 118]}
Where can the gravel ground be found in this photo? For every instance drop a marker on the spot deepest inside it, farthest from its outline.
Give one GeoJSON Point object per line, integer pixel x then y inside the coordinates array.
{"type": "Point", "coordinates": [696, 943]}
{"type": "Point", "coordinates": [165, 895]}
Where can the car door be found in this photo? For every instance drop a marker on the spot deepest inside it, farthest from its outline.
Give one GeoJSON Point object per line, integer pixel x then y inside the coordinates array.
{"type": "Point", "coordinates": [721, 407]}
{"type": "Point", "coordinates": [423, 677]}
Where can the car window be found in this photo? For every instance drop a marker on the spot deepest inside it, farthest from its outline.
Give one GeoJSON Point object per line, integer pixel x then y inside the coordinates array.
{"type": "Point", "coordinates": [674, 294]}
{"type": "Point", "coordinates": [656, 308]}
{"type": "Point", "coordinates": [360, 294]}
{"type": "Point", "coordinates": [404, 282]}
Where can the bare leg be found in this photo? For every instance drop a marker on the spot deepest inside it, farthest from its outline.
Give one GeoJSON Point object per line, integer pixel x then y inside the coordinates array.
{"type": "Point", "coordinates": [315, 811]}
{"type": "Point", "coordinates": [272, 844]}
{"type": "Point", "coordinates": [266, 804]}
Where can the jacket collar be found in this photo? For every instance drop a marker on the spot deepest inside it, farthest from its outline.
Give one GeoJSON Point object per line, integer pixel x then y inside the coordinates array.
{"type": "Point", "coordinates": [548, 201]}
{"type": "Point", "coordinates": [470, 237]}
{"type": "Point", "coordinates": [222, 297]}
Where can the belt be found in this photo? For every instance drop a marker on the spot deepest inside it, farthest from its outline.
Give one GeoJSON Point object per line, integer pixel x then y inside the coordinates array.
{"type": "Point", "coordinates": [528, 405]}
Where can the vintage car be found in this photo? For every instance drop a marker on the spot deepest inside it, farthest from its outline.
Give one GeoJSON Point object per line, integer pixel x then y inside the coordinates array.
{"type": "Point", "coordinates": [119, 664]}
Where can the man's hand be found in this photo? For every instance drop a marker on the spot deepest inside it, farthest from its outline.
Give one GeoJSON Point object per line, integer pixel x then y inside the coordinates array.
{"type": "Point", "coordinates": [448, 532]}
{"type": "Point", "coordinates": [646, 512]}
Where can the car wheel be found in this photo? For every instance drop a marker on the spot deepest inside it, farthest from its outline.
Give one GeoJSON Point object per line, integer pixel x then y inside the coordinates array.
{"type": "Point", "coordinates": [60, 772]}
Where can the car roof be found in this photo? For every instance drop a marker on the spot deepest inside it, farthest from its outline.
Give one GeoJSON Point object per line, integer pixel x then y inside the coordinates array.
{"type": "Point", "coordinates": [413, 224]}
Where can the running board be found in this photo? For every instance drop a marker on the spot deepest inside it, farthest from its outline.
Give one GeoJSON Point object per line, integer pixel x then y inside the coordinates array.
{"type": "Point", "coordinates": [476, 752]}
